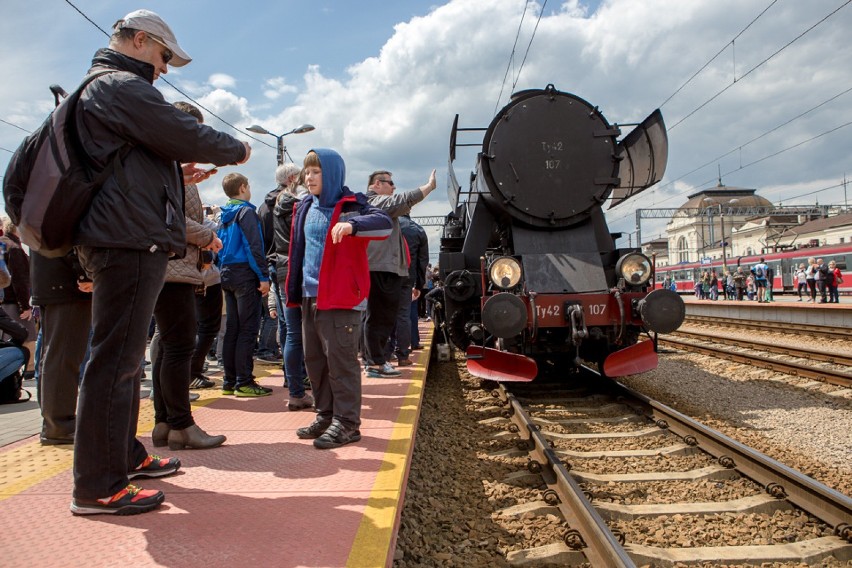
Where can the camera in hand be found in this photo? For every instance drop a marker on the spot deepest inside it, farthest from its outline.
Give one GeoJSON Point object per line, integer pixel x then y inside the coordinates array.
{"type": "Point", "coordinates": [205, 259]}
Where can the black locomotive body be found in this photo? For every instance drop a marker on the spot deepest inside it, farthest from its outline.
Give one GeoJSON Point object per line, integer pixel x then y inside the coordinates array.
{"type": "Point", "coordinates": [530, 269]}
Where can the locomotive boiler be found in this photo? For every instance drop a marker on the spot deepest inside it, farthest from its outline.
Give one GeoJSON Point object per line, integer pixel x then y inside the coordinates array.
{"type": "Point", "coordinates": [531, 272]}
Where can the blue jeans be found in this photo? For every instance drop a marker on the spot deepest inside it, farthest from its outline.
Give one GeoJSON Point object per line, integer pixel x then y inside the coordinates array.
{"type": "Point", "coordinates": [242, 305]}
{"type": "Point", "coordinates": [126, 285]}
{"type": "Point", "coordinates": [294, 353]}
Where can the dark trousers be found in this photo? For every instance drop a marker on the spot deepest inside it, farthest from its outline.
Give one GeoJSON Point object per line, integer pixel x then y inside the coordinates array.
{"type": "Point", "coordinates": [822, 287]}
{"type": "Point", "coordinates": [208, 314]}
{"type": "Point", "coordinates": [812, 285]}
{"type": "Point", "coordinates": [267, 342]}
{"type": "Point", "coordinates": [331, 356]}
{"type": "Point", "coordinates": [175, 315]}
{"type": "Point", "coordinates": [126, 285]}
{"type": "Point", "coordinates": [65, 338]}
{"type": "Point", "coordinates": [381, 316]}
{"type": "Point", "coordinates": [413, 318]}
{"type": "Point", "coordinates": [400, 342]}
{"type": "Point", "coordinates": [242, 305]}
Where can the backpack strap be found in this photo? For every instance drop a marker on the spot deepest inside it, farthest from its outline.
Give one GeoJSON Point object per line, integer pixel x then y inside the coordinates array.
{"type": "Point", "coordinates": [118, 156]}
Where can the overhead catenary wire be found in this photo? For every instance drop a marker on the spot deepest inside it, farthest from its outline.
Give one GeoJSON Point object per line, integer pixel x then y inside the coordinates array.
{"type": "Point", "coordinates": [532, 37]}
{"type": "Point", "coordinates": [755, 139]}
{"type": "Point", "coordinates": [16, 126]}
{"type": "Point", "coordinates": [196, 103]}
{"type": "Point", "coordinates": [754, 68]}
{"type": "Point", "coordinates": [511, 56]}
{"type": "Point", "coordinates": [694, 187]}
{"type": "Point", "coordinates": [744, 166]}
{"type": "Point", "coordinates": [712, 59]}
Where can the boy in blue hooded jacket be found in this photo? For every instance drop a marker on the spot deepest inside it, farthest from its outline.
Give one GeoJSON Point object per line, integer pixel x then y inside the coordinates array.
{"type": "Point", "coordinates": [245, 279]}
{"type": "Point", "coordinates": [330, 279]}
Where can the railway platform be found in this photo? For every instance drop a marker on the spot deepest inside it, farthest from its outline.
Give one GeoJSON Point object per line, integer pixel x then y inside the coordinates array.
{"type": "Point", "coordinates": [265, 498]}
{"type": "Point", "coordinates": [784, 309]}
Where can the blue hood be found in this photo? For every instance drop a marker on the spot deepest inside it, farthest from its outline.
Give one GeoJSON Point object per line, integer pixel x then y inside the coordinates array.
{"type": "Point", "coordinates": [333, 176]}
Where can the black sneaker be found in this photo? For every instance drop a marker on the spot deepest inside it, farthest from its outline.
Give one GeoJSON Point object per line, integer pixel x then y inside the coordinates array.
{"type": "Point", "coordinates": [315, 430]}
{"type": "Point", "coordinates": [129, 501]}
{"type": "Point", "coordinates": [201, 382]}
{"type": "Point", "coordinates": [337, 435]}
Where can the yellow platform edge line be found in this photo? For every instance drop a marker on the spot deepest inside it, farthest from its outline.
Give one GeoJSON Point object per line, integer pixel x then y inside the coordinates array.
{"type": "Point", "coordinates": [376, 533]}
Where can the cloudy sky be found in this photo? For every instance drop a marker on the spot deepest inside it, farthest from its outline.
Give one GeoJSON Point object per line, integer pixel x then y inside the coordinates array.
{"type": "Point", "coordinates": [756, 89]}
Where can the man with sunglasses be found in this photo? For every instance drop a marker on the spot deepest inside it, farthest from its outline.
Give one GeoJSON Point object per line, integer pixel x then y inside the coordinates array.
{"type": "Point", "coordinates": [389, 279]}
{"type": "Point", "coordinates": [134, 225]}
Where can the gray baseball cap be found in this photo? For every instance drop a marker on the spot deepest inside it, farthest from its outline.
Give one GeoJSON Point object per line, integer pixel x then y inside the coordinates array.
{"type": "Point", "coordinates": [148, 21]}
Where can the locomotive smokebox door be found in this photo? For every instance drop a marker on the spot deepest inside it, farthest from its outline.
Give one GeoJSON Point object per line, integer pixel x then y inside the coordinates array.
{"type": "Point", "coordinates": [558, 144]}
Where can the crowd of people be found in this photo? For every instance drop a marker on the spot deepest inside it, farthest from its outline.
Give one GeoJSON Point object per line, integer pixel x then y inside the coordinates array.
{"type": "Point", "coordinates": [756, 283]}
{"type": "Point", "coordinates": [340, 273]}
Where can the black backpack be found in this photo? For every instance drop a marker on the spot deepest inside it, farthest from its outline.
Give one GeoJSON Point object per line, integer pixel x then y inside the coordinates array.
{"type": "Point", "coordinates": [12, 360]}
{"type": "Point", "coordinates": [49, 184]}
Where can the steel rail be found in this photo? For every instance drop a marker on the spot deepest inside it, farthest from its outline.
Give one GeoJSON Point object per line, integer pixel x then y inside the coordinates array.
{"type": "Point", "coordinates": [824, 503]}
{"type": "Point", "coordinates": [601, 547]}
{"type": "Point", "coordinates": [813, 329]}
{"type": "Point", "coordinates": [800, 352]}
{"type": "Point", "coordinates": [837, 378]}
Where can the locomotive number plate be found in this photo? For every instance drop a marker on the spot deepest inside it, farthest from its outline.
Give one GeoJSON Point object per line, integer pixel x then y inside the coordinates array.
{"type": "Point", "coordinates": [551, 310]}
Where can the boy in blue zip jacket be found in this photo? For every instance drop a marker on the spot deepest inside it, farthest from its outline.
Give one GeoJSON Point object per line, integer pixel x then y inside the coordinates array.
{"type": "Point", "coordinates": [329, 277]}
{"type": "Point", "coordinates": [245, 279]}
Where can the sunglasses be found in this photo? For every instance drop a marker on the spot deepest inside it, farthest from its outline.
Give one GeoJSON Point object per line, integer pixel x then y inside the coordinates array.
{"type": "Point", "coordinates": [167, 55]}
{"type": "Point", "coordinates": [387, 181]}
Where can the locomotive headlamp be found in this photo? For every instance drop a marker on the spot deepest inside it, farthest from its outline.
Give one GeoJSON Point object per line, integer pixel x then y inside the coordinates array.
{"type": "Point", "coordinates": [635, 268]}
{"type": "Point", "coordinates": [505, 272]}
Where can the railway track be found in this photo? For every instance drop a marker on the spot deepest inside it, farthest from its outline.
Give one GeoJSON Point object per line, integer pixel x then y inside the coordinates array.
{"type": "Point", "coordinates": [573, 440]}
{"type": "Point", "coordinates": [754, 353]}
{"type": "Point", "coordinates": [799, 329]}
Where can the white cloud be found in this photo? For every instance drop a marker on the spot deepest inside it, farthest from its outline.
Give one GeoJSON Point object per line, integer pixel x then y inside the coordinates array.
{"type": "Point", "coordinates": [274, 88]}
{"type": "Point", "coordinates": [222, 81]}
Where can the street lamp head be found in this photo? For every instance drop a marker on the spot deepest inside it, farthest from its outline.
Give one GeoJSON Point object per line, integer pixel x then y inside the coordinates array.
{"type": "Point", "coordinates": [258, 129]}
{"type": "Point", "coordinates": [302, 129]}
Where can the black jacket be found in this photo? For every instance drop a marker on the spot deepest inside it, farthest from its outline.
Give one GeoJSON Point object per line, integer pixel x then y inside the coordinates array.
{"type": "Point", "coordinates": [140, 206]}
{"type": "Point", "coordinates": [282, 216]}
{"type": "Point", "coordinates": [18, 292]}
{"type": "Point", "coordinates": [418, 249]}
{"type": "Point", "coordinates": [266, 223]}
{"type": "Point", "coordinates": [54, 280]}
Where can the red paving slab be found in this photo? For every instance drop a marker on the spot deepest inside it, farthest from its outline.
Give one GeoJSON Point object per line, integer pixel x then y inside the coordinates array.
{"type": "Point", "coordinates": [265, 498]}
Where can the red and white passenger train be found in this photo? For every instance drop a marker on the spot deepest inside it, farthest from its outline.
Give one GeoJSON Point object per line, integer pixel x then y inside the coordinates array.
{"type": "Point", "coordinates": [784, 264]}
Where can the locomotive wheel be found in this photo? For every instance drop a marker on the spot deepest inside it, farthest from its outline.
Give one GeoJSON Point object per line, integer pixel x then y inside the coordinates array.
{"type": "Point", "coordinates": [458, 326]}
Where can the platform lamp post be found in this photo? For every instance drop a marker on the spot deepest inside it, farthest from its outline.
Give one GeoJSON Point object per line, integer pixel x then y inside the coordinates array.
{"type": "Point", "coordinates": [282, 150]}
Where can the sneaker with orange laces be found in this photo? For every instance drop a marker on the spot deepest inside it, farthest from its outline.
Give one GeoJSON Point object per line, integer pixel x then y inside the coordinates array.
{"type": "Point", "coordinates": [155, 466]}
{"type": "Point", "coordinates": [129, 501]}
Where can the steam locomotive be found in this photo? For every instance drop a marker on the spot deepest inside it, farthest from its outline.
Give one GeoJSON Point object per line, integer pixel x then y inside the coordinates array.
{"type": "Point", "coordinates": [530, 269]}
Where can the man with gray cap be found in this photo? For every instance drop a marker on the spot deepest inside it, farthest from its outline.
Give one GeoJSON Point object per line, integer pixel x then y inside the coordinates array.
{"type": "Point", "coordinates": [135, 223]}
